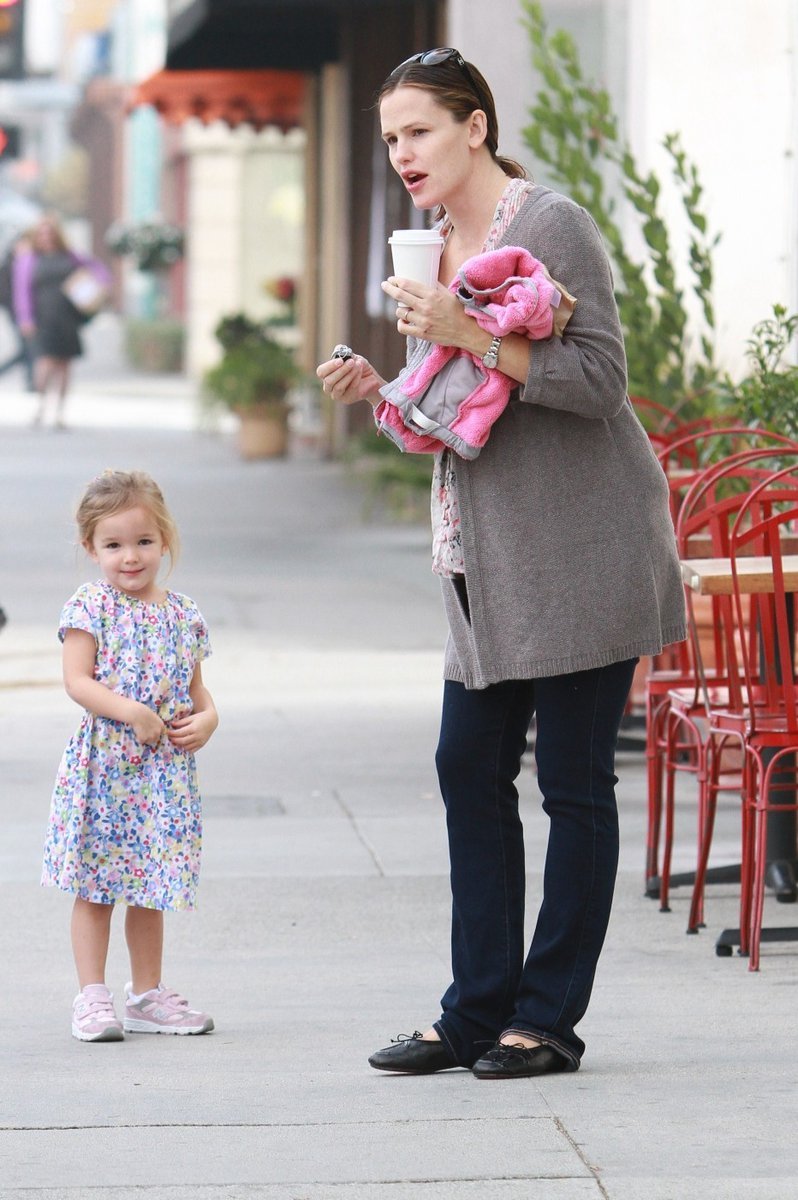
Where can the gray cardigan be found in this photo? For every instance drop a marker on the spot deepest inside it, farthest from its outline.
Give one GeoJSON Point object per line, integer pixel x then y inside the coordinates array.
{"type": "Point", "coordinates": [569, 551]}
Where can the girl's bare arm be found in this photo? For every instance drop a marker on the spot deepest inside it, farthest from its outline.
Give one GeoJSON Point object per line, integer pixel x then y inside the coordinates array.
{"type": "Point", "coordinates": [79, 654]}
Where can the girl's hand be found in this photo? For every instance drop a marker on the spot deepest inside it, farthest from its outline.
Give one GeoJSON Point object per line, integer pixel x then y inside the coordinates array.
{"type": "Point", "coordinates": [350, 380]}
{"type": "Point", "coordinates": [147, 725]}
{"type": "Point", "coordinates": [192, 732]}
{"type": "Point", "coordinates": [434, 314]}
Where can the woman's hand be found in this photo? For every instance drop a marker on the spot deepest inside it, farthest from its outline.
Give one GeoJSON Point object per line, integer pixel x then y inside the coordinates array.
{"type": "Point", "coordinates": [434, 314]}
{"type": "Point", "coordinates": [349, 380]}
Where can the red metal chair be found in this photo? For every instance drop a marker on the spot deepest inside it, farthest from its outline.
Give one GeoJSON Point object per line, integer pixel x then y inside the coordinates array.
{"type": "Point", "coordinates": [686, 456]}
{"type": "Point", "coordinates": [675, 666]}
{"type": "Point", "coordinates": [761, 709]}
{"type": "Point", "coordinates": [664, 420]}
{"type": "Point", "coordinates": [655, 417]}
{"type": "Point", "coordinates": [709, 509]}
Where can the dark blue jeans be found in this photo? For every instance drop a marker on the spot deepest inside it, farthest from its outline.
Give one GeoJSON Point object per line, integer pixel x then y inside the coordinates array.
{"type": "Point", "coordinates": [483, 737]}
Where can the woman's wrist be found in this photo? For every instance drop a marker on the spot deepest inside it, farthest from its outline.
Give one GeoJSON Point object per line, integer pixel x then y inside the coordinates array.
{"type": "Point", "coordinates": [475, 340]}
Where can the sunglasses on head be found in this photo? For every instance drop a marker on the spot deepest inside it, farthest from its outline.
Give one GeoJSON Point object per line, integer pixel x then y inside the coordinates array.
{"type": "Point", "coordinates": [434, 58]}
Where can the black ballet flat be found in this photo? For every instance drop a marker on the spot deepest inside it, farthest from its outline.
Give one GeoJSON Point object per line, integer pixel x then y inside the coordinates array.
{"type": "Point", "coordinates": [516, 1062]}
{"type": "Point", "coordinates": [411, 1055]}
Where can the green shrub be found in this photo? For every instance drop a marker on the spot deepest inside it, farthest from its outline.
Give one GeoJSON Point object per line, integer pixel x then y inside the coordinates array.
{"type": "Point", "coordinates": [254, 369]}
{"type": "Point", "coordinates": [767, 398]}
{"type": "Point", "coordinates": [574, 131]}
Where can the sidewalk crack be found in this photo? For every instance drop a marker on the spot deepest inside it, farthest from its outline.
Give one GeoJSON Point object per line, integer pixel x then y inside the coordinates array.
{"type": "Point", "coordinates": [370, 849]}
{"type": "Point", "coordinates": [577, 1149]}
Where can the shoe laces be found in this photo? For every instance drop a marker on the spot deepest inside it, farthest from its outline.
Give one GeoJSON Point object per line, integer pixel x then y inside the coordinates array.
{"type": "Point", "coordinates": [415, 1036]}
{"type": "Point", "coordinates": [504, 1052]}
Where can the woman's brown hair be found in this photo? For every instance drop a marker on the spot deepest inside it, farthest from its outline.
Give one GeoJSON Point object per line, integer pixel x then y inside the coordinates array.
{"type": "Point", "coordinates": [460, 89]}
{"type": "Point", "coordinates": [49, 221]}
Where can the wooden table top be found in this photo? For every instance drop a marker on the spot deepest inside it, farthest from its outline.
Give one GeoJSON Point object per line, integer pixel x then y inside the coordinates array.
{"type": "Point", "coordinates": [700, 545]}
{"type": "Point", "coordinates": [713, 576]}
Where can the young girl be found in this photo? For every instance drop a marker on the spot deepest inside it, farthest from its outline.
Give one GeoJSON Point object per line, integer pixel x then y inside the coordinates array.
{"type": "Point", "coordinates": [125, 822]}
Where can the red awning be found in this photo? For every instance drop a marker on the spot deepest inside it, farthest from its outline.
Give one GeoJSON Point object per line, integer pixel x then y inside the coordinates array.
{"type": "Point", "coordinates": [256, 98]}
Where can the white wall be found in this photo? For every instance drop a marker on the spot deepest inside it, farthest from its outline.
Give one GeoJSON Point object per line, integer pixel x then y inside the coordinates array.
{"type": "Point", "coordinates": [492, 37]}
{"type": "Point", "coordinates": [246, 222]}
{"type": "Point", "coordinates": [724, 75]}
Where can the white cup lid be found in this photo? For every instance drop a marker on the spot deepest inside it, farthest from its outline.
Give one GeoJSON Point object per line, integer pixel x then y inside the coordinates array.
{"type": "Point", "coordinates": [416, 235]}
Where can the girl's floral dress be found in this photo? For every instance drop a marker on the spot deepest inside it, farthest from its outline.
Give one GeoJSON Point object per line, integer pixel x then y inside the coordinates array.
{"type": "Point", "coordinates": [125, 820]}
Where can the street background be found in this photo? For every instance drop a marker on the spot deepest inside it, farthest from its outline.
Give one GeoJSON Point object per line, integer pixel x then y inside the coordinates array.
{"type": "Point", "coordinates": [322, 926]}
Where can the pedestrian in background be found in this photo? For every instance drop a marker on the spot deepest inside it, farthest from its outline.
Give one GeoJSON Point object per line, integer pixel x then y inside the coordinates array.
{"type": "Point", "coordinates": [23, 355]}
{"type": "Point", "coordinates": [44, 313]}
{"type": "Point", "coordinates": [125, 821]}
{"type": "Point", "coordinates": [558, 567]}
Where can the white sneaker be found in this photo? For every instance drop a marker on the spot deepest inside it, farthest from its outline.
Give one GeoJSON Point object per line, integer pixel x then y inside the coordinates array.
{"type": "Point", "coordinates": [93, 1015]}
{"type": "Point", "coordinates": [162, 1010]}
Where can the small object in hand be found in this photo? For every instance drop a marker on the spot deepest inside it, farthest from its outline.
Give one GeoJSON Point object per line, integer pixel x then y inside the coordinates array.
{"type": "Point", "coordinates": [342, 352]}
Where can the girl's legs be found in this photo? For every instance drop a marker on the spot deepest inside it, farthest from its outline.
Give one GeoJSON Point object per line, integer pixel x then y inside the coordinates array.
{"type": "Point", "coordinates": [144, 935]}
{"type": "Point", "coordinates": [91, 930]}
{"type": "Point", "coordinates": [152, 1008]}
{"type": "Point", "coordinates": [93, 1015]}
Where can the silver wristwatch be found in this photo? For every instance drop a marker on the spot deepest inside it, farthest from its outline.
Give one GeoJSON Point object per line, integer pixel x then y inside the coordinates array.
{"type": "Point", "coordinates": [490, 358]}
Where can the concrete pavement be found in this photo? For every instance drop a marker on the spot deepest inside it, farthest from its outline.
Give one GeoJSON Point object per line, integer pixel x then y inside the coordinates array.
{"type": "Point", "coordinates": [322, 929]}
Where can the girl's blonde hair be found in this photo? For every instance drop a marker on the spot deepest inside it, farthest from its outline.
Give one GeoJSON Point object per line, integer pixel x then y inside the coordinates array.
{"type": "Point", "coordinates": [114, 492]}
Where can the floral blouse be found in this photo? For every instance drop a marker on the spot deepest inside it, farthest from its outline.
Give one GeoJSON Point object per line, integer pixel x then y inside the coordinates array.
{"type": "Point", "coordinates": [447, 545]}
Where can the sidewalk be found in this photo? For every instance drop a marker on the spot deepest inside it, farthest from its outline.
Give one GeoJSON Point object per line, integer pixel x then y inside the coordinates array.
{"type": "Point", "coordinates": [322, 930]}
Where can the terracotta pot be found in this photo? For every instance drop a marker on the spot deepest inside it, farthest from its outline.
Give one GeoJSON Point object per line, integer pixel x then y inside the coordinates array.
{"type": "Point", "coordinates": [263, 431]}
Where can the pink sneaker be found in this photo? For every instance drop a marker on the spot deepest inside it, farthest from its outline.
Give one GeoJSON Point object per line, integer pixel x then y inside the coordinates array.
{"type": "Point", "coordinates": [162, 1010]}
{"type": "Point", "coordinates": [93, 1016]}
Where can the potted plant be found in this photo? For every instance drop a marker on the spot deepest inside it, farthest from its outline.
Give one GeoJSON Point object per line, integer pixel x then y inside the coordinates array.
{"type": "Point", "coordinates": [767, 398]}
{"type": "Point", "coordinates": [153, 245]}
{"type": "Point", "coordinates": [154, 340]}
{"type": "Point", "coordinates": [252, 379]}
{"type": "Point", "coordinates": [284, 291]}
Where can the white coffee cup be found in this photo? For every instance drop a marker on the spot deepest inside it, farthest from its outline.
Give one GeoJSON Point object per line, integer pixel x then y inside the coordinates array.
{"type": "Point", "coordinates": [416, 254]}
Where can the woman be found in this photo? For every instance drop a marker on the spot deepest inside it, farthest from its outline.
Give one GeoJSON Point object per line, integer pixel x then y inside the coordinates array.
{"type": "Point", "coordinates": [45, 315]}
{"type": "Point", "coordinates": [558, 568]}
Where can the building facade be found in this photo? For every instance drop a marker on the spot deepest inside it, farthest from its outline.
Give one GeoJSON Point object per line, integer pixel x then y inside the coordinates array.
{"type": "Point", "coordinates": [724, 77]}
